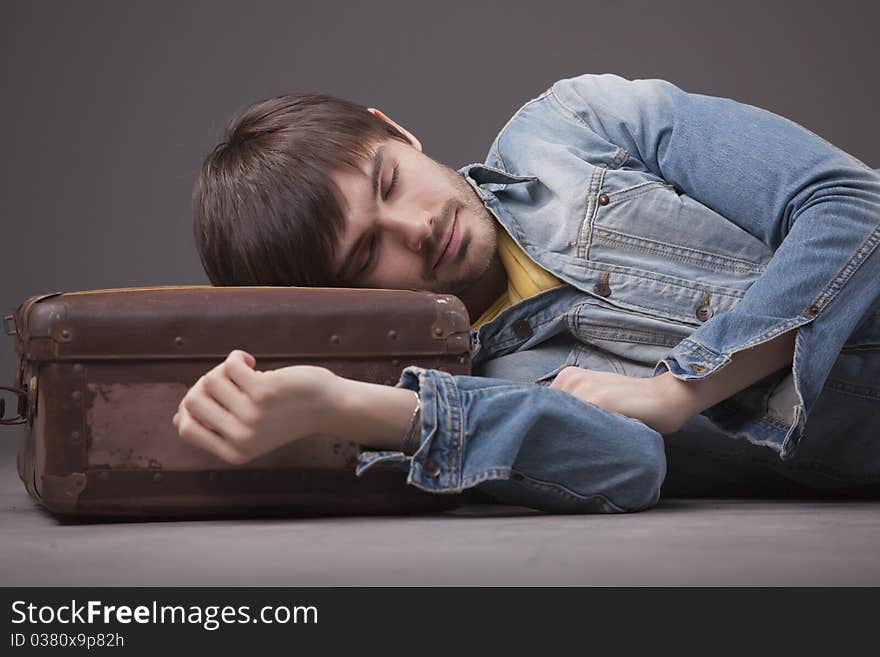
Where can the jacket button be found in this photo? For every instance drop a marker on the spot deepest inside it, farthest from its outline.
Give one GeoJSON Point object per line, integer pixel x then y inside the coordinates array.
{"type": "Point", "coordinates": [704, 312]}
{"type": "Point", "coordinates": [522, 329]}
{"type": "Point", "coordinates": [431, 467]}
{"type": "Point", "coordinates": [603, 199]}
{"type": "Point", "coordinates": [602, 289]}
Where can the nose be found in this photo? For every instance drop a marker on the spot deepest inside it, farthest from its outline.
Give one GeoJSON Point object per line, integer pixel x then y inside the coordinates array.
{"type": "Point", "coordinates": [414, 231]}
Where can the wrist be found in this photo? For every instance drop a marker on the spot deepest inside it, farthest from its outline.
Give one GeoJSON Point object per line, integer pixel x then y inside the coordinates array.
{"type": "Point", "coordinates": [371, 414]}
{"type": "Point", "coordinates": [682, 397]}
{"type": "Point", "coordinates": [336, 409]}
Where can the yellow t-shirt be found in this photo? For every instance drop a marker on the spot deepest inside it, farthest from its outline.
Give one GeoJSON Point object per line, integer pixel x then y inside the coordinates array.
{"type": "Point", "coordinates": [524, 278]}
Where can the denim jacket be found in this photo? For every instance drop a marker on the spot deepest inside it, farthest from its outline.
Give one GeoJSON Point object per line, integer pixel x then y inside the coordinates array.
{"type": "Point", "coordinates": [686, 228]}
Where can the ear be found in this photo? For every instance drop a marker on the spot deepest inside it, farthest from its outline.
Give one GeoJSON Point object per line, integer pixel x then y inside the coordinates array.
{"type": "Point", "coordinates": [406, 133]}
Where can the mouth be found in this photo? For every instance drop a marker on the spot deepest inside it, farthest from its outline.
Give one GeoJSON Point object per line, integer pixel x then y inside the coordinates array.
{"type": "Point", "coordinates": [447, 240]}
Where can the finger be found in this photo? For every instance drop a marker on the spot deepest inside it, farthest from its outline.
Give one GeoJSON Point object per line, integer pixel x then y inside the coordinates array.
{"type": "Point", "coordinates": [208, 412]}
{"type": "Point", "coordinates": [241, 372]}
{"type": "Point", "coordinates": [249, 359]}
{"type": "Point", "coordinates": [227, 394]}
{"type": "Point", "coordinates": [195, 433]}
{"type": "Point", "coordinates": [567, 377]}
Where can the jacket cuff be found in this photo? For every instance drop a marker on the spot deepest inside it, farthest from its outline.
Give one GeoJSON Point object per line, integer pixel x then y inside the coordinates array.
{"type": "Point", "coordinates": [691, 360]}
{"type": "Point", "coordinates": [436, 465]}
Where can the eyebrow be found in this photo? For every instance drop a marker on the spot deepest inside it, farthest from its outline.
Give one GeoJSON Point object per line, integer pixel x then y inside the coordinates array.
{"type": "Point", "coordinates": [374, 186]}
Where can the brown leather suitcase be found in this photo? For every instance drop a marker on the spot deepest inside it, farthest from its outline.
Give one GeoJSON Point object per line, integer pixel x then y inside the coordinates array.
{"type": "Point", "coordinates": [102, 372]}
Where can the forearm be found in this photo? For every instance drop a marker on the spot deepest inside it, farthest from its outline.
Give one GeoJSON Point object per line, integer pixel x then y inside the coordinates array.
{"type": "Point", "coordinates": [529, 445]}
{"type": "Point", "coordinates": [370, 414]}
{"type": "Point", "coordinates": [746, 367]}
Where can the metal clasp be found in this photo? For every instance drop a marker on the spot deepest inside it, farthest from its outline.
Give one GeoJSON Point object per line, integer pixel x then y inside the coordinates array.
{"type": "Point", "coordinates": [14, 330]}
{"type": "Point", "coordinates": [22, 404]}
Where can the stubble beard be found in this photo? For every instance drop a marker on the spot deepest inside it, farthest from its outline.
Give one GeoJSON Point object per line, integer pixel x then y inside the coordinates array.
{"type": "Point", "coordinates": [485, 251]}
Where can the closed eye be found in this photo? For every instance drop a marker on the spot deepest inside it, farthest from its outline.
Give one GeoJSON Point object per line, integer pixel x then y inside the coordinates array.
{"type": "Point", "coordinates": [392, 184]}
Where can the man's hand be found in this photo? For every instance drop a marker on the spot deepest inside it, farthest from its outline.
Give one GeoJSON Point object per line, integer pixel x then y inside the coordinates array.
{"type": "Point", "coordinates": [651, 399]}
{"type": "Point", "coordinates": [665, 403]}
{"type": "Point", "coordinates": [239, 413]}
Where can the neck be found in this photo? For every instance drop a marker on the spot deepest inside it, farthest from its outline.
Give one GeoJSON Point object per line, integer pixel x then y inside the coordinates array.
{"type": "Point", "coordinates": [482, 294]}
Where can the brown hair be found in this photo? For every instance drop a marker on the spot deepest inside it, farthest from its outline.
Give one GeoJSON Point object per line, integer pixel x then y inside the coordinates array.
{"type": "Point", "coordinates": [265, 209]}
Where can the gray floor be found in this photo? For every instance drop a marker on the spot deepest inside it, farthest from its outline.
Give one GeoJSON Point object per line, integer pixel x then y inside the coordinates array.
{"type": "Point", "coordinates": [681, 542]}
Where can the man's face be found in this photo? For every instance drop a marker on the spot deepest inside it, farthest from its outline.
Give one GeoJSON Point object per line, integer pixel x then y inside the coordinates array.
{"type": "Point", "coordinates": [429, 231]}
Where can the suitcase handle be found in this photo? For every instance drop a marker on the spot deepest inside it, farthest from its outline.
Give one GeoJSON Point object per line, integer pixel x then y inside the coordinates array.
{"type": "Point", "coordinates": [14, 330]}
{"type": "Point", "coordinates": [22, 403]}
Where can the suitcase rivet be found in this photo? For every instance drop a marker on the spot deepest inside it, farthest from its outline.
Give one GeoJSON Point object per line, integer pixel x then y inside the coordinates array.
{"type": "Point", "coordinates": [76, 394]}
{"type": "Point", "coordinates": [438, 330]}
{"type": "Point", "coordinates": [65, 334]}
{"type": "Point", "coordinates": [74, 436]}
{"type": "Point", "coordinates": [157, 476]}
{"type": "Point", "coordinates": [78, 368]}
{"type": "Point", "coordinates": [334, 339]}
{"type": "Point", "coordinates": [104, 475]}
{"type": "Point", "coordinates": [392, 335]}
{"type": "Point", "coordinates": [178, 341]}
{"type": "Point", "coordinates": [462, 359]}
{"type": "Point", "coordinates": [395, 363]}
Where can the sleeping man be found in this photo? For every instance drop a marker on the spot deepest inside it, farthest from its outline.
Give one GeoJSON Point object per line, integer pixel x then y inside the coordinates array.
{"type": "Point", "coordinates": [660, 283]}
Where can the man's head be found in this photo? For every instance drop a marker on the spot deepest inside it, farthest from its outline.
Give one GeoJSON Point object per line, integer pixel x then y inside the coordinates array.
{"type": "Point", "coordinates": [309, 189]}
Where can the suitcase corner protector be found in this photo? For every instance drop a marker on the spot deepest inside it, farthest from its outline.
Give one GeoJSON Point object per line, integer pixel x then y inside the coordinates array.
{"type": "Point", "coordinates": [60, 493]}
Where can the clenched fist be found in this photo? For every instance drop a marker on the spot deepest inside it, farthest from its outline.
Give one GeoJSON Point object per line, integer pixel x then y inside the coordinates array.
{"type": "Point", "coordinates": [239, 413]}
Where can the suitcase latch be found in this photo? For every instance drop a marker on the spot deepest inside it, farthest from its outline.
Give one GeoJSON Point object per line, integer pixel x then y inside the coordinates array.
{"type": "Point", "coordinates": [22, 406]}
{"type": "Point", "coordinates": [6, 319]}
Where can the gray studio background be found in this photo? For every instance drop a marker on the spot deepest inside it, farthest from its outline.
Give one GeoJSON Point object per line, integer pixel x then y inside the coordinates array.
{"type": "Point", "coordinates": [108, 107]}
{"type": "Point", "coordinates": [107, 111]}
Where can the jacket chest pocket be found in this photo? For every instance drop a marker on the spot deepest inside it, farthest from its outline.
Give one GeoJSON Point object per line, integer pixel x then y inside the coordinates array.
{"type": "Point", "coordinates": [539, 364]}
{"type": "Point", "coordinates": [628, 335]}
{"type": "Point", "coordinates": [647, 224]}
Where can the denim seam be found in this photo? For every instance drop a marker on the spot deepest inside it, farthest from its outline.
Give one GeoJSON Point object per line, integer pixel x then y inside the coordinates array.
{"type": "Point", "coordinates": [700, 258]}
{"type": "Point", "coordinates": [497, 142]}
{"type": "Point", "coordinates": [616, 334]}
{"type": "Point", "coordinates": [565, 114]}
{"type": "Point", "coordinates": [584, 349]}
{"type": "Point", "coordinates": [692, 347]}
{"type": "Point", "coordinates": [563, 491]}
{"type": "Point", "coordinates": [585, 236]}
{"type": "Point", "coordinates": [614, 201]}
{"type": "Point", "coordinates": [850, 267]}
{"type": "Point", "coordinates": [660, 278]}
{"type": "Point", "coordinates": [857, 390]}
{"type": "Point", "coordinates": [454, 427]}
{"type": "Point", "coordinates": [490, 473]}
{"type": "Point", "coordinates": [622, 154]}
{"type": "Point", "coordinates": [622, 192]}
{"type": "Point", "coordinates": [858, 347]}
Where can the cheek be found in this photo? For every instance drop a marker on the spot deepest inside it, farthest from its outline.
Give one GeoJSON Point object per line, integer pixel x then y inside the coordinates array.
{"type": "Point", "coordinates": [396, 268]}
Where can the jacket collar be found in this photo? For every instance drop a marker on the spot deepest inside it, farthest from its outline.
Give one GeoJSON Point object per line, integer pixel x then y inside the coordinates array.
{"type": "Point", "coordinates": [486, 179]}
